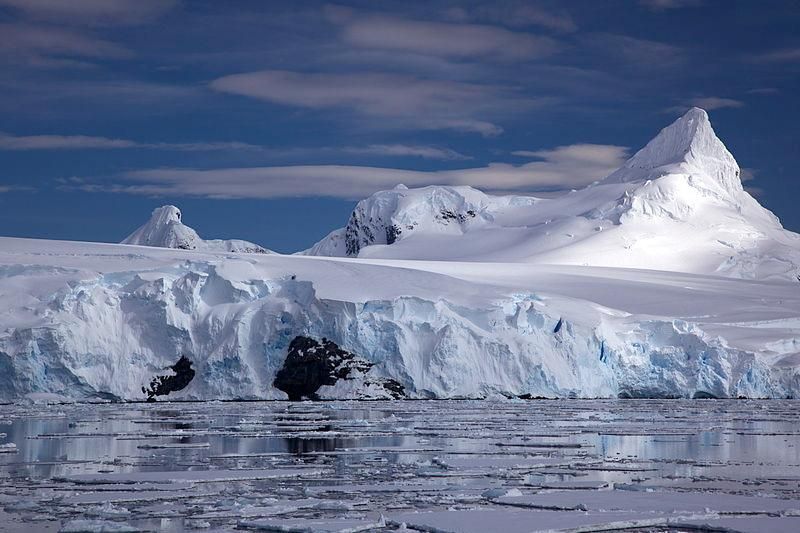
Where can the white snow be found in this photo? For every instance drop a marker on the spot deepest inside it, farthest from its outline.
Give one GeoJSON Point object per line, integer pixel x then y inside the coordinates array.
{"type": "Point", "coordinates": [665, 279]}
{"type": "Point", "coordinates": [678, 204]}
{"type": "Point", "coordinates": [166, 229]}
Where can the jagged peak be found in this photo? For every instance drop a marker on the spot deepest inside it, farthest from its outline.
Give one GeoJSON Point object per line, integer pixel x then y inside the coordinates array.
{"type": "Point", "coordinates": [687, 145]}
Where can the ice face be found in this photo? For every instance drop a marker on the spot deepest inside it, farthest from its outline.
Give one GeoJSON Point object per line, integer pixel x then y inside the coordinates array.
{"type": "Point", "coordinates": [92, 328]}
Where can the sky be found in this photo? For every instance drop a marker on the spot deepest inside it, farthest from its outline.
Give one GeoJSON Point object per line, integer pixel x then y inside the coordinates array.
{"type": "Point", "coordinates": [268, 121]}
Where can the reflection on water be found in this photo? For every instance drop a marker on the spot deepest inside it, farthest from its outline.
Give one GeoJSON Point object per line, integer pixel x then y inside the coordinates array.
{"type": "Point", "coordinates": [376, 453]}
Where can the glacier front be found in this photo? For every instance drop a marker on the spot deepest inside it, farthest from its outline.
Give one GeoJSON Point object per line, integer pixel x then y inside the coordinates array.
{"type": "Point", "coordinates": [85, 320]}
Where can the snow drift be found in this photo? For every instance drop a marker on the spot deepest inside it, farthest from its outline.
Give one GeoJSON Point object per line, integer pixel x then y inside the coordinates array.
{"type": "Point", "coordinates": [665, 279]}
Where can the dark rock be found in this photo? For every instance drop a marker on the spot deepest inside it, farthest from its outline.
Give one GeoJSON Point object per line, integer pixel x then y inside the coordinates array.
{"type": "Point", "coordinates": [310, 364]}
{"type": "Point", "coordinates": [163, 385]}
{"type": "Point", "coordinates": [392, 232]}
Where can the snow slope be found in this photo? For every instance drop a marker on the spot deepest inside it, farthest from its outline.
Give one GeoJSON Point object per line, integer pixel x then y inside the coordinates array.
{"type": "Point", "coordinates": [165, 229]}
{"type": "Point", "coordinates": [677, 204]}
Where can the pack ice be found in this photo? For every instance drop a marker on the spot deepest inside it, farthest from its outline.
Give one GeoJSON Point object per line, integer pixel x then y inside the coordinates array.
{"type": "Point", "coordinates": [665, 279]}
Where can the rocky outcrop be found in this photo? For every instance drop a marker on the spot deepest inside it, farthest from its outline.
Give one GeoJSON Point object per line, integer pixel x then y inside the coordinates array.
{"type": "Point", "coordinates": [311, 365]}
{"type": "Point", "coordinates": [163, 385]}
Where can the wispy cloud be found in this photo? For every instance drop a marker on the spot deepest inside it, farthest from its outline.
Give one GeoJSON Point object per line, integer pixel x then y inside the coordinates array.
{"type": "Point", "coordinates": [15, 188]}
{"type": "Point", "coordinates": [438, 38]}
{"type": "Point", "coordinates": [764, 90]}
{"type": "Point", "coordinates": [51, 46]}
{"type": "Point", "coordinates": [93, 12]}
{"type": "Point", "coordinates": [716, 102]}
{"type": "Point", "coordinates": [514, 14]}
{"type": "Point", "coordinates": [411, 101]}
{"type": "Point", "coordinates": [662, 5]}
{"type": "Point", "coordinates": [629, 51]}
{"type": "Point", "coordinates": [60, 142]}
{"type": "Point", "coordinates": [87, 142]}
{"type": "Point", "coordinates": [783, 55]}
{"type": "Point", "coordinates": [559, 168]}
{"type": "Point", "coordinates": [708, 103]}
{"type": "Point", "coordinates": [425, 152]}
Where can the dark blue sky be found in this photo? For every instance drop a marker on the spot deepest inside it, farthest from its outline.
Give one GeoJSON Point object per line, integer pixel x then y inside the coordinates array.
{"type": "Point", "coordinates": [267, 120]}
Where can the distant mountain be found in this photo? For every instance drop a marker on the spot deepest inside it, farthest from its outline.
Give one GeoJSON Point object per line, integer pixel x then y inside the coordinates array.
{"type": "Point", "coordinates": [678, 204]}
{"type": "Point", "coordinates": [165, 229]}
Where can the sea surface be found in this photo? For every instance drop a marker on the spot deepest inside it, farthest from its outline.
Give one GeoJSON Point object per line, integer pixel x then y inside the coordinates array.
{"type": "Point", "coordinates": [460, 466]}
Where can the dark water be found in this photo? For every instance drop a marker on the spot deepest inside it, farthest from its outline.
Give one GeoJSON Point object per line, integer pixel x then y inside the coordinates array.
{"type": "Point", "coordinates": [436, 465]}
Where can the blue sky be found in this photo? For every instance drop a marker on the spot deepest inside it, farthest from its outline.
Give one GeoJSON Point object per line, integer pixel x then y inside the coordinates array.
{"type": "Point", "coordinates": [267, 120]}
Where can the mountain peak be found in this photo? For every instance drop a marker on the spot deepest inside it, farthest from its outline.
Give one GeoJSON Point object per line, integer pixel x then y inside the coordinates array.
{"type": "Point", "coordinates": [688, 145]}
{"type": "Point", "coordinates": [165, 229]}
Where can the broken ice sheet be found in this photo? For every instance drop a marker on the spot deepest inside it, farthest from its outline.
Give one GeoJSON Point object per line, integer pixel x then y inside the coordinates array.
{"type": "Point", "coordinates": [335, 466]}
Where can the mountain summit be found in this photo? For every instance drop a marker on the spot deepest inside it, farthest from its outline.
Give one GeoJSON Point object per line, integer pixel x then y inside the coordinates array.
{"type": "Point", "coordinates": [165, 229]}
{"type": "Point", "coordinates": [687, 145]}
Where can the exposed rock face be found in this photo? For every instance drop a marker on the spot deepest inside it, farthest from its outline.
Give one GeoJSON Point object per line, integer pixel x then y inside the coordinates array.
{"type": "Point", "coordinates": [388, 217]}
{"type": "Point", "coordinates": [311, 365]}
{"type": "Point", "coordinates": [163, 385]}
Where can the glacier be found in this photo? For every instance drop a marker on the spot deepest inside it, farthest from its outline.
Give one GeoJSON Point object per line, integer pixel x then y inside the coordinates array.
{"type": "Point", "coordinates": [665, 279]}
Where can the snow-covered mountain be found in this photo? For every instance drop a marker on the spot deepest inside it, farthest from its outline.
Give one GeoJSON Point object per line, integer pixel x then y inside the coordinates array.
{"type": "Point", "coordinates": [632, 287]}
{"type": "Point", "coordinates": [678, 204]}
{"type": "Point", "coordinates": [165, 229]}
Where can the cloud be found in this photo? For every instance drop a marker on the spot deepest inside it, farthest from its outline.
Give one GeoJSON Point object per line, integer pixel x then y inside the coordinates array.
{"type": "Point", "coordinates": [59, 142]}
{"type": "Point", "coordinates": [640, 53]}
{"type": "Point", "coordinates": [784, 55]}
{"type": "Point", "coordinates": [708, 103]}
{"type": "Point", "coordinates": [716, 102]}
{"type": "Point", "coordinates": [520, 14]}
{"type": "Point", "coordinates": [86, 142]}
{"type": "Point", "coordinates": [558, 168]}
{"type": "Point", "coordinates": [425, 152]}
{"type": "Point", "coordinates": [15, 188]}
{"type": "Point", "coordinates": [662, 5]}
{"type": "Point", "coordinates": [49, 46]}
{"type": "Point", "coordinates": [764, 90]}
{"type": "Point", "coordinates": [748, 174]}
{"type": "Point", "coordinates": [438, 38]}
{"type": "Point", "coordinates": [410, 101]}
{"type": "Point", "coordinates": [92, 12]}
{"type": "Point", "coordinates": [77, 98]}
